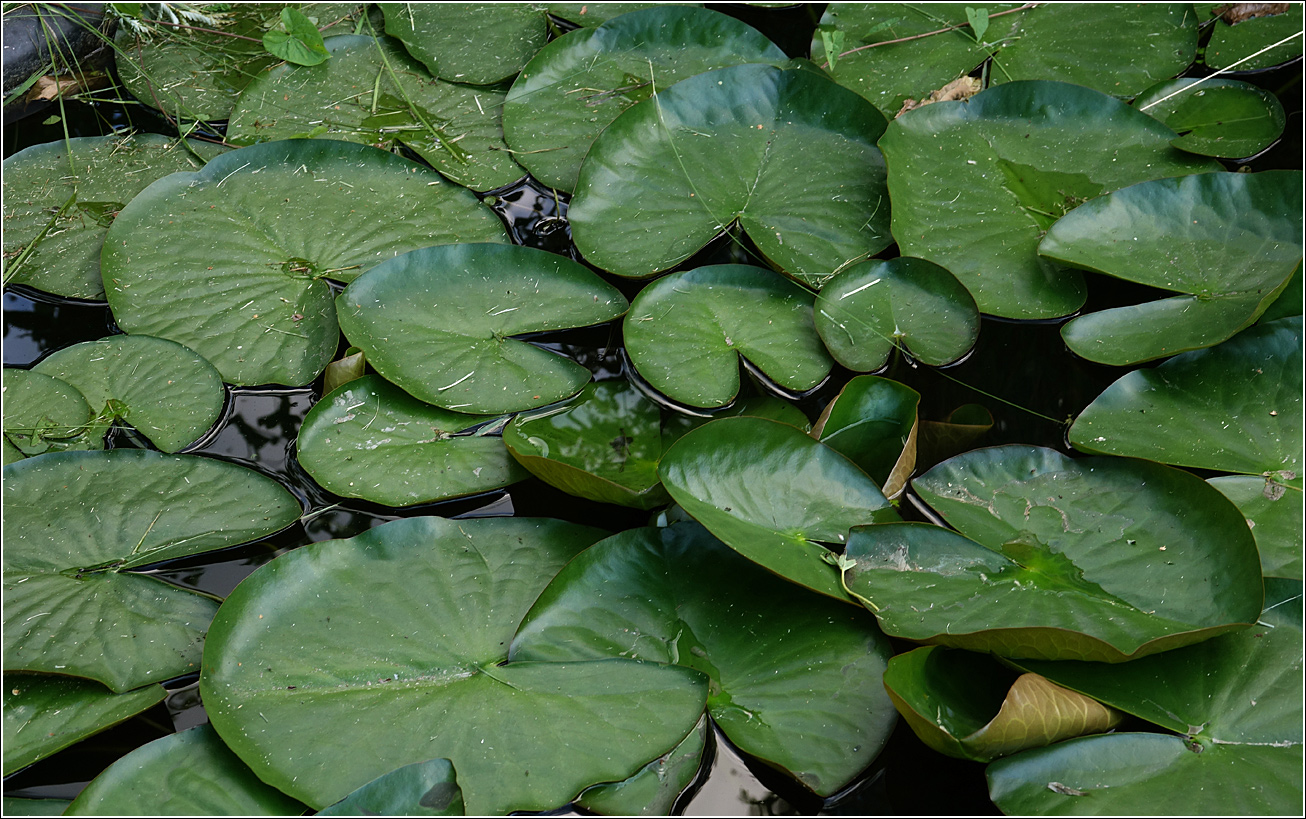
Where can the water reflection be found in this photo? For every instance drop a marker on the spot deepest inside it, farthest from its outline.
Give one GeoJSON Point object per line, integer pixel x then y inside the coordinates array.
{"type": "Point", "coordinates": [37, 325]}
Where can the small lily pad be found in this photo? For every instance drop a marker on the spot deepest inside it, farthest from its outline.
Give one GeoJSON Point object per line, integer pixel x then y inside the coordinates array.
{"type": "Point", "coordinates": [873, 422]}
{"type": "Point", "coordinates": [477, 43]}
{"type": "Point", "coordinates": [1249, 41]}
{"type": "Point", "coordinates": [421, 789]}
{"type": "Point", "coordinates": [1216, 117]}
{"type": "Point", "coordinates": [439, 322]}
{"type": "Point", "coordinates": [47, 414]}
{"type": "Point", "coordinates": [371, 440]}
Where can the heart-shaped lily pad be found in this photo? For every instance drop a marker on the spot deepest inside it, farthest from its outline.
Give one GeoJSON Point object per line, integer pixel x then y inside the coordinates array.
{"type": "Point", "coordinates": [867, 310]}
{"type": "Point", "coordinates": [579, 83]}
{"type": "Point", "coordinates": [975, 185]}
{"type": "Point", "coordinates": [168, 393]}
{"type": "Point", "coordinates": [773, 494]}
{"type": "Point", "coordinates": [44, 713]}
{"type": "Point", "coordinates": [46, 414]}
{"type": "Point", "coordinates": [372, 92]}
{"type": "Point", "coordinates": [78, 522]}
{"type": "Point", "coordinates": [439, 323]}
{"type": "Point", "coordinates": [478, 43]}
{"type": "Point", "coordinates": [1251, 35]}
{"type": "Point", "coordinates": [873, 422]}
{"type": "Point", "coordinates": [432, 603]}
{"type": "Point", "coordinates": [369, 439]}
{"type": "Point", "coordinates": [230, 261]}
{"type": "Point", "coordinates": [677, 595]}
{"type": "Point", "coordinates": [1231, 240]}
{"type": "Point", "coordinates": [421, 789]}
{"type": "Point", "coordinates": [785, 154]}
{"type": "Point", "coordinates": [216, 782]}
{"type": "Point", "coordinates": [1216, 117]}
{"type": "Point", "coordinates": [968, 706]}
{"type": "Point", "coordinates": [58, 205]}
{"type": "Point", "coordinates": [1235, 407]}
{"type": "Point", "coordinates": [658, 785]}
{"type": "Point", "coordinates": [1273, 508]}
{"type": "Point", "coordinates": [687, 331]}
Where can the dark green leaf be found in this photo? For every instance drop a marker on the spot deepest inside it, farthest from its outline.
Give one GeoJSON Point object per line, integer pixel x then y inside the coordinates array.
{"type": "Point", "coordinates": [1273, 508]}
{"type": "Point", "coordinates": [1255, 42]}
{"type": "Point", "coordinates": [478, 43]}
{"type": "Point", "coordinates": [1224, 118]}
{"type": "Point", "coordinates": [421, 789]}
{"type": "Point", "coordinates": [872, 421]}
{"type": "Point", "coordinates": [653, 791]}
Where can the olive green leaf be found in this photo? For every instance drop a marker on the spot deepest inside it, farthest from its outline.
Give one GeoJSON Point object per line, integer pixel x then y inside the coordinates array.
{"type": "Point", "coordinates": [297, 40]}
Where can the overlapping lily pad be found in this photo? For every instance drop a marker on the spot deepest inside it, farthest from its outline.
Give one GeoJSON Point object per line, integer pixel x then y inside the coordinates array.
{"type": "Point", "coordinates": [58, 207]}
{"type": "Point", "coordinates": [369, 439]}
{"type": "Point", "coordinates": [46, 414]}
{"type": "Point", "coordinates": [873, 422]}
{"type": "Point", "coordinates": [1273, 508]}
{"type": "Point", "coordinates": [687, 331]}
{"type": "Point", "coordinates": [975, 185]}
{"type": "Point", "coordinates": [1216, 117]}
{"type": "Point", "coordinates": [478, 43]}
{"type": "Point", "coordinates": [1235, 407]}
{"type": "Point", "coordinates": [677, 595]}
{"type": "Point", "coordinates": [230, 261]}
{"type": "Point", "coordinates": [45, 713]}
{"type": "Point", "coordinates": [421, 789]}
{"type": "Point", "coordinates": [76, 523]}
{"type": "Point", "coordinates": [1245, 34]}
{"type": "Point", "coordinates": [372, 92]}
{"type": "Point", "coordinates": [785, 154]}
{"type": "Point", "coordinates": [867, 310]}
{"type": "Point", "coordinates": [439, 322]}
{"type": "Point", "coordinates": [406, 664]}
{"type": "Point", "coordinates": [579, 83]}
{"type": "Point", "coordinates": [593, 14]}
{"type": "Point", "coordinates": [658, 785]}
{"type": "Point", "coordinates": [773, 494]}
{"type": "Point", "coordinates": [1230, 241]}
{"type": "Point", "coordinates": [168, 393]}
{"type": "Point", "coordinates": [203, 778]}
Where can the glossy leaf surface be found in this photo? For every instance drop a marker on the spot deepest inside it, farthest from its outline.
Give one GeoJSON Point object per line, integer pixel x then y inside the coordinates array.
{"type": "Point", "coordinates": [873, 422]}
{"type": "Point", "coordinates": [687, 331]}
{"type": "Point", "coordinates": [976, 184]}
{"type": "Point", "coordinates": [421, 789]}
{"type": "Point", "coordinates": [439, 322]}
{"type": "Point", "coordinates": [337, 717]}
{"type": "Point", "coordinates": [1217, 117]}
{"type": "Point", "coordinates": [654, 790]}
{"type": "Point", "coordinates": [773, 494]}
{"type": "Point", "coordinates": [46, 414]}
{"type": "Point", "coordinates": [754, 146]}
{"type": "Point", "coordinates": [371, 440]}
{"type": "Point", "coordinates": [478, 43]}
{"type": "Point", "coordinates": [579, 83]}
{"type": "Point", "coordinates": [77, 522]}
{"type": "Point", "coordinates": [1273, 509]}
{"type": "Point", "coordinates": [1229, 241]}
{"type": "Point", "coordinates": [677, 595]}
{"type": "Point", "coordinates": [230, 261]}
{"type": "Point", "coordinates": [1235, 407]}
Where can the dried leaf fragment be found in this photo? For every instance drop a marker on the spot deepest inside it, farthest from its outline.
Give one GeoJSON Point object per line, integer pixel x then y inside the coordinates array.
{"type": "Point", "coordinates": [962, 88]}
{"type": "Point", "coordinates": [1235, 13]}
{"type": "Point", "coordinates": [1065, 790]}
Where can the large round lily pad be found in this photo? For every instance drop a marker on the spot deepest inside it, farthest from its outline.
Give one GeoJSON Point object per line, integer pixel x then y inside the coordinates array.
{"type": "Point", "coordinates": [773, 494]}
{"type": "Point", "coordinates": [1229, 241]}
{"type": "Point", "coordinates": [687, 331]}
{"type": "Point", "coordinates": [168, 393]}
{"type": "Point", "coordinates": [406, 664]}
{"type": "Point", "coordinates": [61, 197]}
{"type": "Point", "coordinates": [678, 595]}
{"type": "Point", "coordinates": [785, 154]}
{"type": "Point", "coordinates": [1235, 407]}
{"type": "Point", "coordinates": [975, 185]}
{"type": "Point", "coordinates": [478, 43]}
{"type": "Point", "coordinates": [230, 261]}
{"type": "Point", "coordinates": [372, 92]}
{"type": "Point", "coordinates": [46, 414]}
{"type": "Point", "coordinates": [580, 82]}
{"type": "Point", "coordinates": [76, 523]}
{"type": "Point", "coordinates": [440, 322]}
{"type": "Point", "coordinates": [369, 439]}
{"type": "Point", "coordinates": [1216, 117]}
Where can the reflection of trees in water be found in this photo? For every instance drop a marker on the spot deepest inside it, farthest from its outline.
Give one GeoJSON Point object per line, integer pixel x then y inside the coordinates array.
{"type": "Point", "coordinates": [260, 426]}
{"type": "Point", "coordinates": [37, 325]}
{"type": "Point", "coordinates": [535, 215]}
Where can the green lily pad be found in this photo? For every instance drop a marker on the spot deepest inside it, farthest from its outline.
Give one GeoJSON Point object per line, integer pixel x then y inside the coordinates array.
{"type": "Point", "coordinates": [44, 713]}
{"type": "Point", "coordinates": [191, 260]}
{"type": "Point", "coordinates": [458, 352]}
{"type": "Point", "coordinates": [78, 522]}
{"type": "Point", "coordinates": [1232, 45]}
{"type": "Point", "coordinates": [873, 422]}
{"type": "Point", "coordinates": [687, 331]}
{"type": "Point", "coordinates": [1229, 241]}
{"type": "Point", "coordinates": [1273, 509]}
{"type": "Point", "coordinates": [477, 43]}
{"type": "Point", "coordinates": [350, 367]}
{"type": "Point", "coordinates": [580, 82]}
{"type": "Point", "coordinates": [371, 440]}
{"type": "Point", "coordinates": [773, 494]}
{"type": "Point", "coordinates": [202, 777]}
{"type": "Point", "coordinates": [677, 595]}
{"type": "Point", "coordinates": [1217, 117]}
{"type": "Point", "coordinates": [372, 92]}
{"type": "Point", "coordinates": [968, 706]}
{"type": "Point", "coordinates": [421, 789]}
{"type": "Point", "coordinates": [785, 154]}
{"type": "Point", "coordinates": [57, 208]}
{"type": "Point", "coordinates": [46, 414]}
{"type": "Point", "coordinates": [16, 806]}
{"type": "Point", "coordinates": [872, 307]}
{"type": "Point", "coordinates": [604, 447]}
{"type": "Point", "coordinates": [654, 790]}
{"type": "Point", "coordinates": [1236, 700]}
{"type": "Point", "coordinates": [1236, 407]}
{"type": "Point", "coordinates": [975, 185]}
{"type": "Point", "coordinates": [594, 14]}
{"type": "Point", "coordinates": [168, 393]}
{"type": "Point", "coordinates": [328, 718]}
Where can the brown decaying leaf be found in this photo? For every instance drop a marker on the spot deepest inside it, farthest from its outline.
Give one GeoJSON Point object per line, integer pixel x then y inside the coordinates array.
{"type": "Point", "coordinates": [1038, 712]}
{"type": "Point", "coordinates": [1235, 13]}
{"type": "Point", "coordinates": [962, 88]}
{"type": "Point", "coordinates": [51, 87]}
